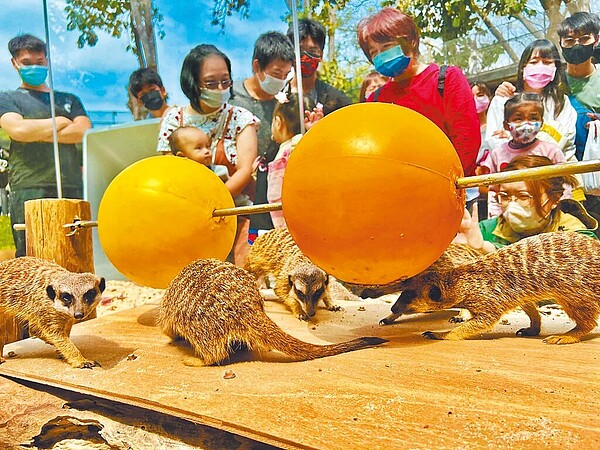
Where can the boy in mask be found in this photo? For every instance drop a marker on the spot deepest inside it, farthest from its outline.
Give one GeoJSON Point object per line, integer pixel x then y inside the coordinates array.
{"type": "Point", "coordinates": [25, 115]}
{"type": "Point", "coordinates": [312, 43]}
{"type": "Point", "coordinates": [147, 87]}
{"type": "Point", "coordinates": [523, 119]}
{"type": "Point", "coordinates": [271, 64]}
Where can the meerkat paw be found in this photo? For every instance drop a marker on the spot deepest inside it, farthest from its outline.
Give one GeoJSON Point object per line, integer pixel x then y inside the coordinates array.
{"type": "Point", "coordinates": [86, 364]}
{"type": "Point", "coordinates": [435, 336]}
{"type": "Point", "coordinates": [561, 339]}
{"type": "Point", "coordinates": [389, 319]}
{"type": "Point", "coordinates": [303, 317]}
{"type": "Point", "coordinates": [456, 319]}
{"type": "Point", "coordinates": [531, 331]}
{"type": "Point", "coordinates": [193, 361]}
{"type": "Point", "coordinates": [334, 308]}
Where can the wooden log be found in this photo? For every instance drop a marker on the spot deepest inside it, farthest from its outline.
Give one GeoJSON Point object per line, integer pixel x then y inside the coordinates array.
{"type": "Point", "coordinates": [46, 237]}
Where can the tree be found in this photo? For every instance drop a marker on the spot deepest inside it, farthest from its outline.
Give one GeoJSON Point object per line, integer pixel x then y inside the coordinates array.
{"type": "Point", "coordinates": [139, 18]}
{"type": "Point", "coordinates": [225, 8]}
{"type": "Point", "coordinates": [461, 20]}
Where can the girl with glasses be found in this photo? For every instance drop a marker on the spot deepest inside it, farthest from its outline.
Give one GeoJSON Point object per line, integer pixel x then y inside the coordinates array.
{"type": "Point", "coordinates": [528, 208]}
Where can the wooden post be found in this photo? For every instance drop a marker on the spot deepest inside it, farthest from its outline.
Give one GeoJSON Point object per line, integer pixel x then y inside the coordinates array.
{"type": "Point", "coordinates": [46, 238]}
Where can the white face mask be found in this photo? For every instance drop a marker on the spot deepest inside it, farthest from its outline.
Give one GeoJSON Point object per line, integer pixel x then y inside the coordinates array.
{"type": "Point", "coordinates": [272, 85]}
{"type": "Point", "coordinates": [524, 220]}
{"type": "Point", "coordinates": [215, 98]}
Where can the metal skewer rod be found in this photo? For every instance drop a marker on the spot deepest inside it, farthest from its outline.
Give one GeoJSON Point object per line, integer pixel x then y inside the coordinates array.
{"type": "Point", "coordinates": [535, 173]}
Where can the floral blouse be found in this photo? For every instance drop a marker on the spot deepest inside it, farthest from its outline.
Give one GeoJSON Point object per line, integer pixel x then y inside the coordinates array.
{"type": "Point", "coordinates": [210, 124]}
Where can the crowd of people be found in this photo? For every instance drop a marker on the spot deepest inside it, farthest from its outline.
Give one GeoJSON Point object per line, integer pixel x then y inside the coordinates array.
{"type": "Point", "coordinates": [245, 131]}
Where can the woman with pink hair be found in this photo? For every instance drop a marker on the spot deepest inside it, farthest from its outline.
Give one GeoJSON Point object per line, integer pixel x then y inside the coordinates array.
{"type": "Point", "coordinates": [390, 40]}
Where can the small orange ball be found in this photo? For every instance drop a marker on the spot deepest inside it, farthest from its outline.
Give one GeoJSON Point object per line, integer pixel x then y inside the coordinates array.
{"type": "Point", "coordinates": [369, 193]}
{"type": "Point", "coordinates": [156, 217]}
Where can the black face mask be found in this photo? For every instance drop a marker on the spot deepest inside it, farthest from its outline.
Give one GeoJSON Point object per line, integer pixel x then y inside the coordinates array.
{"type": "Point", "coordinates": [578, 53]}
{"type": "Point", "coordinates": [152, 100]}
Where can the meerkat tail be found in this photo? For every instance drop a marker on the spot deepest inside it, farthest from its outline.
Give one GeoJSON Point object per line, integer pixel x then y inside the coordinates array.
{"type": "Point", "coordinates": [269, 336]}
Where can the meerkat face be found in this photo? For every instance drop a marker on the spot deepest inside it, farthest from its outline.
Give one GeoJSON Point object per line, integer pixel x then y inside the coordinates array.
{"type": "Point", "coordinates": [76, 294]}
{"type": "Point", "coordinates": [308, 285]}
{"type": "Point", "coordinates": [421, 294]}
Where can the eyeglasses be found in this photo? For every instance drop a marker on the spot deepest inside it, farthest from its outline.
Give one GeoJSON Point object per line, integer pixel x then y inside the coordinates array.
{"type": "Point", "coordinates": [570, 42]}
{"type": "Point", "coordinates": [522, 198]}
{"type": "Point", "coordinates": [225, 84]}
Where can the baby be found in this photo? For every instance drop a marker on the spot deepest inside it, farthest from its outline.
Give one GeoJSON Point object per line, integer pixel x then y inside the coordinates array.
{"type": "Point", "coordinates": [195, 144]}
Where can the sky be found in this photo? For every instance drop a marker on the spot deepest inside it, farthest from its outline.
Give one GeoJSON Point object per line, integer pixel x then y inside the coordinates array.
{"type": "Point", "coordinates": [98, 75]}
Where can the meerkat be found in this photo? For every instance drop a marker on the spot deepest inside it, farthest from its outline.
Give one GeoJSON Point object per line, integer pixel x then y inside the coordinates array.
{"type": "Point", "coordinates": [298, 282]}
{"type": "Point", "coordinates": [563, 266]}
{"type": "Point", "coordinates": [50, 299]}
{"type": "Point", "coordinates": [455, 255]}
{"type": "Point", "coordinates": [215, 306]}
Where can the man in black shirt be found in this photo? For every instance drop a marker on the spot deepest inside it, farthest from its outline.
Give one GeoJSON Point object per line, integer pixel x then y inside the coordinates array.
{"type": "Point", "coordinates": [25, 115]}
{"type": "Point", "coordinates": [312, 44]}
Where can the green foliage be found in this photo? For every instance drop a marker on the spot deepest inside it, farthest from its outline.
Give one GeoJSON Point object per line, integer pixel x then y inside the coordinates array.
{"type": "Point", "coordinates": [110, 16]}
{"type": "Point", "coordinates": [4, 139]}
{"type": "Point", "coordinates": [226, 8]}
{"type": "Point", "coordinates": [451, 19]}
{"type": "Point", "coordinates": [472, 53]}
{"type": "Point", "coordinates": [347, 81]}
{"type": "Point", "coordinates": [6, 238]}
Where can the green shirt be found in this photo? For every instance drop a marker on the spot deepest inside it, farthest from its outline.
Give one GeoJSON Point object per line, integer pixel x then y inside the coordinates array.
{"type": "Point", "coordinates": [587, 90]}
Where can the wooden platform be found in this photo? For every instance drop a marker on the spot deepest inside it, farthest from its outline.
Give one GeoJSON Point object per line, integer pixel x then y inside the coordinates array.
{"type": "Point", "coordinates": [497, 391]}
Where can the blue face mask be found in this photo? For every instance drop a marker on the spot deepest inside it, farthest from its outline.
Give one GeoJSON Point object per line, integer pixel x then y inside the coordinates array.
{"type": "Point", "coordinates": [391, 62]}
{"type": "Point", "coordinates": [33, 75]}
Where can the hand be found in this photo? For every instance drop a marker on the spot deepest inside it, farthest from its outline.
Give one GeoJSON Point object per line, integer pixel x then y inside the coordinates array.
{"type": "Point", "coordinates": [501, 134]}
{"type": "Point", "coordinates": [482, 170]}
{"type": "Point", "coordinates": [255, 163]}
{"type": "Point", "coordinates": [506, 89]}
{"type": "Point", "coordinates": [312, 117]}
{"type": "Point", "coordinates": [469, 232]}
{"type": "Point", "coordinates": [593, 117]}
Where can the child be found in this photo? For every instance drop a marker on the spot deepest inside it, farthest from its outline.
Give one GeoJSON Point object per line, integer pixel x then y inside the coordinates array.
{"type": "Point", "coordinates": [285, 130]}
{"type": "Point", "coordinates": [373, 81]}
{"type": "Point", "coordinates": [194, 144]}
{"type": "Point", "coordinates": [523, 119]}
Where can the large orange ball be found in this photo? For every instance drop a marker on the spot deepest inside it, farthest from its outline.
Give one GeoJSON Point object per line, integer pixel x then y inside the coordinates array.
{"type": "Point", "coordinates": [156, 217]}
{"type": "Point", "coordinates": [369, 193]}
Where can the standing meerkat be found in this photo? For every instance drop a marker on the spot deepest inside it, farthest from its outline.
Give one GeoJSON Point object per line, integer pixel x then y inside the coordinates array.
{"type": "Point", "coordinates": [50, 299]}
{"type": "Point", "coordinates": [215, 305]}
{"type": "Point", "coordinates": [298, 282]}
{"type": "Point", "coordinates": [562, 266]}
{"type": "Point", "coordinates": [455, 255]}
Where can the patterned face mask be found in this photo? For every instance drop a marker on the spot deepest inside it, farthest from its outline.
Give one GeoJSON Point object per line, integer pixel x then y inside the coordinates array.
{"type": "Point", "coordinates": [524, 132]}
{"type": "Point", "coordinates": [308, 64]}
